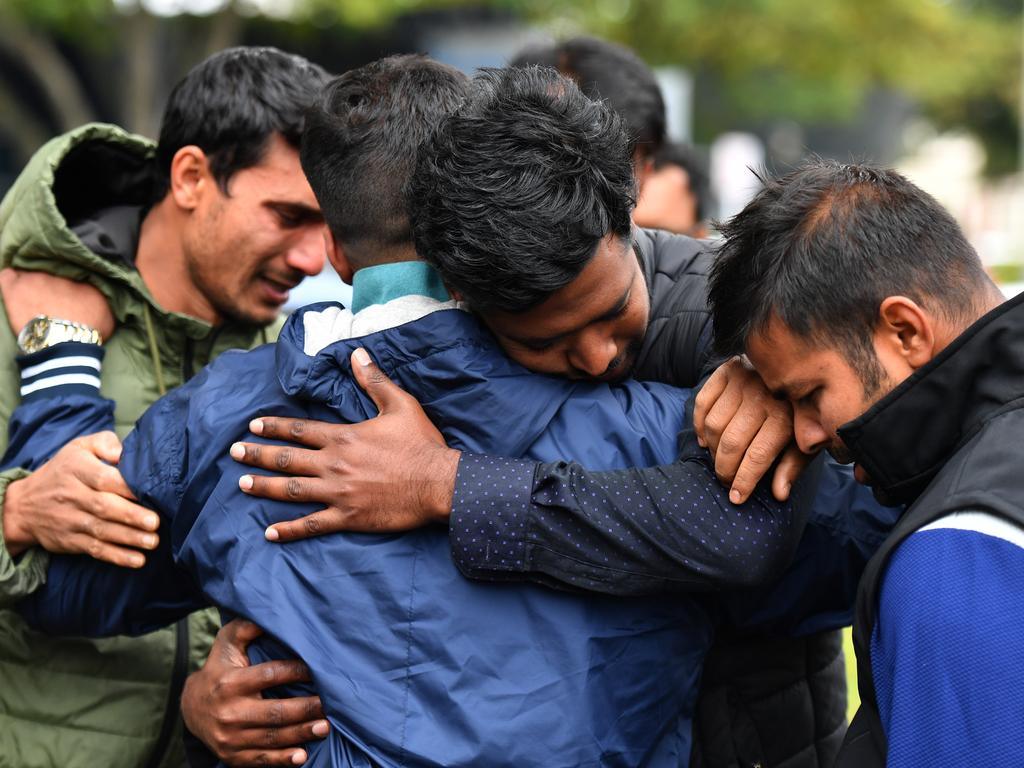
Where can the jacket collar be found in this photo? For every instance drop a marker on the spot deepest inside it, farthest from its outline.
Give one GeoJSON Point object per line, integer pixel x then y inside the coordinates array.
{"type": "Point", "coordinates": [325, 376]}
{"type": "Point", "coordinates": [906, 437]}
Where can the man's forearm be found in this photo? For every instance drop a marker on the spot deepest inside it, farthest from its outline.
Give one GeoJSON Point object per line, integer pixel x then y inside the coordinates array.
{"type": "Point", "coordinates": [631, 531]}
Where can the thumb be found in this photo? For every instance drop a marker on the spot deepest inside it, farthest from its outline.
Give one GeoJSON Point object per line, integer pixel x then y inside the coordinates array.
{"type": "Point", "coordinates": [792, 463]}
{"type": "Point", "coordinates": [240, 632]}
{"type": "Point", "coordinates": [105, 446]}
{"type": "Point", "coordinates": [386, 395]}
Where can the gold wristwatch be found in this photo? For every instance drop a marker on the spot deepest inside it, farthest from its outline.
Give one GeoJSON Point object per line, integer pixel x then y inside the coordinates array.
{"type": "Point", "coordinates": [42, 332]}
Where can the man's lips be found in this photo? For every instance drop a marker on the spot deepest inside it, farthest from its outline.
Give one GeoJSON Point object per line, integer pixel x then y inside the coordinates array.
{"type": "Point", "coordinates": [277, 290]}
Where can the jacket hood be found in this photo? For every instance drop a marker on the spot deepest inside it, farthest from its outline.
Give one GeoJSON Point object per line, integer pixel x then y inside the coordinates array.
{"type": "Point", "coordinates": [906, 437]}
{"type": "Point", "coordinates": [420, 356]}
{"type": "Point", "coordinates": [65, 186]}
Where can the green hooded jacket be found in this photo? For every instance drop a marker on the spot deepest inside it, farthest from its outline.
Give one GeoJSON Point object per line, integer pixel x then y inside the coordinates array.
{"type": "Point", "coordinates": [70, 702]}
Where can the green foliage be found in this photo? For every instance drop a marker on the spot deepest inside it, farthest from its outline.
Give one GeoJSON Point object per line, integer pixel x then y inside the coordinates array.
{"type": "Point", "coordinates": [817, 59]}
{"type": "Point", "coordinates": [808, 60]}
{"type": "Point", "coordinates": [64, 16]}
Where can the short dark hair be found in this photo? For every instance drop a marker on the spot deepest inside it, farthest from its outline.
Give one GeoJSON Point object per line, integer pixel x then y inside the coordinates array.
{"type": "Point", "coordinates": [359, 147]}
{"type": "Point", "coordinates": [605, 70]}
{"type": "Point", "coordinates": [824, 245]}
{"type": "Point", "coordinates": [685, 157]}
{"type": "Point", "coordinates": [232, 103]}
{"type": "Point", "coordinates": [515, 190]}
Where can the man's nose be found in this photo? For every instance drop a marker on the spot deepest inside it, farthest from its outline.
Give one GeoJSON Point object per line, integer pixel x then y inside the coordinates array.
{"type": "Point", "coordinates": [593, 353]}
{"type": "Point", "coordinates": [307, 254]}
{"type": "Point", "coordinates": [810, 436]}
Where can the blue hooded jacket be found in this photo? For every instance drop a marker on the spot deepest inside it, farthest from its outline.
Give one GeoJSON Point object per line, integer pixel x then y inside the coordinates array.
{"type": "Point", "coordinates": [415, 665]}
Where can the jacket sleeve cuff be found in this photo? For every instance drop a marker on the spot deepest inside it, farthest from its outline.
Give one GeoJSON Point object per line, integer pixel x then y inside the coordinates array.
{"type": "Point", "coordinates": [70, 367]}
{"type": "Point", "coordinates": [490, 507]}
{"type": "Point", "coordinates": [24, 574]}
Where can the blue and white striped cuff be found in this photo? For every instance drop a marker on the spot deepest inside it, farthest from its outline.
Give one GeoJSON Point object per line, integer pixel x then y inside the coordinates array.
{"type": "Point", "coordinates": [71, 367]}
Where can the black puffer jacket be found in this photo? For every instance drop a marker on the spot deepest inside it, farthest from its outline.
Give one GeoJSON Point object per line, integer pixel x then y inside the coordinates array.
{"type": "Point", "coordinates": [766, 702]}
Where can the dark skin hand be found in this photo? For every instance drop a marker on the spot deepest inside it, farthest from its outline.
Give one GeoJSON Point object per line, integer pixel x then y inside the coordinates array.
{"type": "Point", "coordinates": [222, 704]}
{"type": "Point", "coordinates": [746, 430]}
{"type": "Point", "coordinates": [390, 473]}
{"type": "Point", "coordinates": [394, 473]}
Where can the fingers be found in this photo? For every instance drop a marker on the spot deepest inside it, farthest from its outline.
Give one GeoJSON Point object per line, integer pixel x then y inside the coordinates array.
{"type": "Point", "coordinates": [297, 714]}
{"type": "Point", "coordinates": [314, 434]}
{"type": "Point", "coordinates": [239, 633]}
{"type": "Point", "coordinates": [100, 526]}
{"type": "Point", "coordinates": [88, 458]}
{"type": "Point", "coordinates": [745, 441]}
{"type": "Point", "coordinates": [114, 509]}
{"type": "Point", "coordinates": [280, 458]}
{"type": "Point", "coordinates": [317, 524]}
{"type": "Point", "coordinates": [104, 445]}
{"type": "Point", "coordinates": [261, 757]}
{"type": "Point", "coordinates": [98, 549]}
{"type": "Point", "coordinates": [757, 460]}
{"type": "Point", "coordinates": [793, 462]}
{"type": "Point", "coordinates": [283, 488]}
{"type": "Point", "coordinates": [247, 682]}
{"type": "Point", "coordinates": [384, 392]}
{"type": "Point", "coordinates": [706, 399]}
{"type": "Point", "coordinates": [719, 415]}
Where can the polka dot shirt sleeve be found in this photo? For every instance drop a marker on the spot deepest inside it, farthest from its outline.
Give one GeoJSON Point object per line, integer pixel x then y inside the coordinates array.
{"type": "Point", "coordinates": [621, 532]}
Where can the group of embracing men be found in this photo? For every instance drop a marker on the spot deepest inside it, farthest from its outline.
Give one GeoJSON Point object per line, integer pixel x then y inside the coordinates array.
{"type": "Point", "coordinates": [554, 490]}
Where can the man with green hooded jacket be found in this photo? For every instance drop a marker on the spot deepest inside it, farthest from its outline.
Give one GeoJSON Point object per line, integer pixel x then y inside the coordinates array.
{"type": "Point", "coordinates": [165, 256]}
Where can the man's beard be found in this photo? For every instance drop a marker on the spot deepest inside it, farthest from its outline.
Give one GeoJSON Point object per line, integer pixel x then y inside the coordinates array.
{"type": "Point", "coordinates": [840, 452]}
{"type": "Point", "coordinates": [621, 368]}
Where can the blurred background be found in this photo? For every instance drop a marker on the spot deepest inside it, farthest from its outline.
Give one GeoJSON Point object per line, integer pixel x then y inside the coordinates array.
{"type": "Point", "coordinates": [932, 87]}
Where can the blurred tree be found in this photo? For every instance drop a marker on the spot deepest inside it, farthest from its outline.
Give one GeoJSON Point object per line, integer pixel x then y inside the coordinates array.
{"type": "Point", "coordinates": [66, 62]}
{"type": "Point", "coordinates": [818, 59]}
{"type": "Point", "coordinates": [756, 60]}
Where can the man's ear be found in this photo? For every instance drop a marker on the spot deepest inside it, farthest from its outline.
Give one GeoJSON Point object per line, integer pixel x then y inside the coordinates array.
{"type": "Point", "coordinates": [905, 330]}
{"type": "Point", "coordinates": [336, 255]}
{"type": "Point", "coordinates": [191, 177]}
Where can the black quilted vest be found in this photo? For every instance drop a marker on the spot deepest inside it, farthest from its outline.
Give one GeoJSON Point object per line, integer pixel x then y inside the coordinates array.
{"type": "Point", "coordinates": [776, 702]}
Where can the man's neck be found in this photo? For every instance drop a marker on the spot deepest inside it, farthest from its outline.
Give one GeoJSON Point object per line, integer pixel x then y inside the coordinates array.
{"type": "Point", "coordinates": [946, 333]}
{"type": "Point", "coordinates": [161, 263]}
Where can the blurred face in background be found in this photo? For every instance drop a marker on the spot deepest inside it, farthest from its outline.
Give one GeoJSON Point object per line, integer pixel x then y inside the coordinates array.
{"type": "Point", "coordinates": [668, 202]}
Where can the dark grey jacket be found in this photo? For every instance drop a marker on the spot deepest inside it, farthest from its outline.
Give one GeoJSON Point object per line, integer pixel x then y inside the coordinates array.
{"type": "Point", "coordinates": [776, 702]}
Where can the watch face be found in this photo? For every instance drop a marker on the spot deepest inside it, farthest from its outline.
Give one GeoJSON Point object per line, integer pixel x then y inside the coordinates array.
{"type": "Point", "coordinates": [33, 336]}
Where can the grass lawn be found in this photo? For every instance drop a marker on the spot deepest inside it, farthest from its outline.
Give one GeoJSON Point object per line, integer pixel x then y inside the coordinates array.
{"type": "Point", "coordinates": [853, 696]}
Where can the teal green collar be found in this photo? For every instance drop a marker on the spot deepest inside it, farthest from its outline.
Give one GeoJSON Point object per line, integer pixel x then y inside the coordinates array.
{"type": "Point", "coordinates": [381, 284]}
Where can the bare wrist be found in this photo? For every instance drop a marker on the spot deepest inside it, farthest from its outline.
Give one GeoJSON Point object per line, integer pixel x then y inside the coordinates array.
{"type": "Point", "coordinates": [16, 536]}
{"type": "Point", "coordinates": [444, 471]}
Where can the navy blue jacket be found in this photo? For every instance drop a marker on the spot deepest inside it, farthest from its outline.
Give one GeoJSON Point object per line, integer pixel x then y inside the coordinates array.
{"type": "Point", "coordinates": [416, 665]}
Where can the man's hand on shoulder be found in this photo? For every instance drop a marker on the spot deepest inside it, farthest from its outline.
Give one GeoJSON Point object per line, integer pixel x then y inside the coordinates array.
{"type": "Point", "coordinates": [78, 503]}
{"type": "Point", "coordinates": [223, 706]}
{"type": "Point", "coordinates": [29, 294]}
{"type": "Point", "coordinates": [747, 430]}
{"type": "Point", "coordinates": [389, 473]}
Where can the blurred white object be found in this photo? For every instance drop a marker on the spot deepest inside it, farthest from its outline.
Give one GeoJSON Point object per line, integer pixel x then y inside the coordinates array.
{"type": "Point", "coordinates": [734, 157]}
